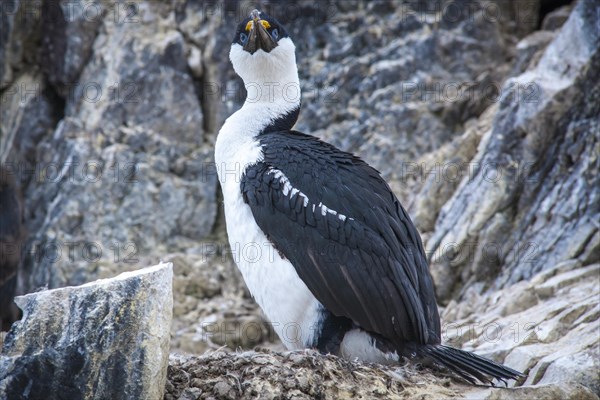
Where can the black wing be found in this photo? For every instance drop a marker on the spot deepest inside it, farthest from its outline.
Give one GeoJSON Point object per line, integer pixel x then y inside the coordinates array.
{"type": "Point", "coordinates": [363, 259]}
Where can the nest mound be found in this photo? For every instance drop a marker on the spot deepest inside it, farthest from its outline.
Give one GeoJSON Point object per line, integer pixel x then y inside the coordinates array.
{"type": "Point", "coordinates": [304, 374]}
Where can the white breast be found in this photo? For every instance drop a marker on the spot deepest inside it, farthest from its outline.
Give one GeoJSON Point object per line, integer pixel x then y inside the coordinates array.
{"type": "Point", "coordinates": [360, 345]}
{"type": "Point", "coordinates": [273, 281]}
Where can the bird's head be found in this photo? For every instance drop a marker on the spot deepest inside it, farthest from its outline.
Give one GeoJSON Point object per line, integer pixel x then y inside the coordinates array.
{"type": "Point", "coordinates": [262, 51]}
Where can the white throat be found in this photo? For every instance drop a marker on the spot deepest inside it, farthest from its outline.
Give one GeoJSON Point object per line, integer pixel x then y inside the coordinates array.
{"type": "Point", "coordinates": [271, 79]}
{"type": "Point", "coordinates": [273, 86]}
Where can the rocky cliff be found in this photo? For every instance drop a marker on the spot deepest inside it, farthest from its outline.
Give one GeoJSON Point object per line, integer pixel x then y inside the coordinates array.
{"type": "Point", "coordinates": [482, 115]}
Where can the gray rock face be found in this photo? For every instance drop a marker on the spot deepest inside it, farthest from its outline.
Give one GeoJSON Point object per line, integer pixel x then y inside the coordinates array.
{"type": "Point", "coordinates": [536, 213]}
{"type": "Point", "coordinates": [70, 28]}
{"type": "Point", "coordinates": [19, 38]}
{"type": "Point", "coordinates": [107, 339]}
{"type": "Point", "coordinates": [138, 76]}
{"type": "Point", "coordinates": [11, 238]}
{"type": "Point", "coordinates": [116, 206]}
{"type": "Point", "coordinates": [28, 114]}
{"type": "Point", "coordinates": [110, 155]}
{"type": "Point", "coordinates": [406, 81]}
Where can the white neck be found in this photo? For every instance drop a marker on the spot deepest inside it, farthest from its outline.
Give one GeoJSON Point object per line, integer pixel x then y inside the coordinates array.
{"type": "Point", "coordinates": [271, 81]}
{"type": "Point", "coordinates": [273, 87]}
{"type": "Point", "coordinates": [281, 91]}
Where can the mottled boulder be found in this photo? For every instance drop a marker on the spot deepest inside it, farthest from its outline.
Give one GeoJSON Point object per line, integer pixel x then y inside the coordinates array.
{"type": "Point", "coordinates": [107, 339]}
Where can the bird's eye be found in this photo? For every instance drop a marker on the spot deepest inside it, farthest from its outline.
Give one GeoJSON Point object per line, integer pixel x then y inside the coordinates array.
{"type": "Point", "coordinates": [275, 33]}
{"type": "Point", "coordinates": [243, 38]}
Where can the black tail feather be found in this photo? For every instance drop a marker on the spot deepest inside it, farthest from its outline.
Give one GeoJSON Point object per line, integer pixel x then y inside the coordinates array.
{"type": "Point", "coordinates": [467, 365]}
{"type": "Point", "coordinates": [464, 370]}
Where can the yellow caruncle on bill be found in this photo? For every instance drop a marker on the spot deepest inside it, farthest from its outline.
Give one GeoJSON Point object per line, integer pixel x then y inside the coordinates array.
{"type": "Point", "coordinates": [262, 21]}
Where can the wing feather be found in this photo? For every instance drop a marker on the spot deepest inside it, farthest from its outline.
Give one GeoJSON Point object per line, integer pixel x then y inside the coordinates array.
{"type": "Point", "coordinates": [361, 256]}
